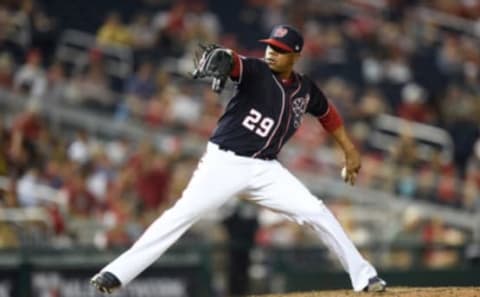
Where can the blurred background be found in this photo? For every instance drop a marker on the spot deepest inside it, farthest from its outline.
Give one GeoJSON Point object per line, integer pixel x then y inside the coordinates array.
{"type": "Point", "coordinates": [101, 128]}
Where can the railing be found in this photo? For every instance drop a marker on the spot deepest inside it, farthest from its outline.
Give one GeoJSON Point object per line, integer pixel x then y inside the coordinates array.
{"type": "Point", "coordinates": [19, 31]}
{"type": "Point", "coordinates": [75, 46]}
{"type": "Point", "coordinates": [21, 215]}
{"type": "Point", "coordinates": [422, 13]}
{"type": "Point", "coordinates": [427, 139]}
{"type": "Point", "coordinates": [450, 21]}
{"type": "Point", "coordinates": [392, 204]}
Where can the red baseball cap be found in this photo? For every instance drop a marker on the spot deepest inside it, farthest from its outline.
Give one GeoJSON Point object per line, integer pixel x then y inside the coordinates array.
{"type": "Point", "coordinates": [286, 38]}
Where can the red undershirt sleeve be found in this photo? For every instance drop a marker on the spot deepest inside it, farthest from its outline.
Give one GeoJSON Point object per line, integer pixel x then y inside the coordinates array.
{"type": "Point", "coordinates": [235, 73]}
{"type": "Point", "coordinates": [331, 119]}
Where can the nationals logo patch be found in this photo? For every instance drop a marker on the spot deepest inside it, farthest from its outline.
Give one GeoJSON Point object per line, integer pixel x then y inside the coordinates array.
{"type": "Point", "coordinates": [280, 32]}
{"type": "Point", "coordinates": [299, 105]}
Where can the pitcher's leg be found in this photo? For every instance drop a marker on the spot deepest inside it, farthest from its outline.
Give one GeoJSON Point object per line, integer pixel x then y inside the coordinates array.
{"type": "Point", "coordinates": [203, 194]}
{"type": "Point", "coordinates": [158, 237]}
{"type": "Point", "coordinates": [332, 234]}
{"type": "Point", "coordinates": [282, 192]}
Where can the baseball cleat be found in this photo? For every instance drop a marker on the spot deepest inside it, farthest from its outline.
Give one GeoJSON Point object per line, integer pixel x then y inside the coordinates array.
{"type": "Point", "coordinates": [105, 282]}
{"type": "Point", "coordinates": [375, 284]}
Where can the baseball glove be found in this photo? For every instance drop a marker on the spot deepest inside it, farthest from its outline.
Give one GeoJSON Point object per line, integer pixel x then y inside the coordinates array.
{"type": "Point", "coordinates": [215, 62]}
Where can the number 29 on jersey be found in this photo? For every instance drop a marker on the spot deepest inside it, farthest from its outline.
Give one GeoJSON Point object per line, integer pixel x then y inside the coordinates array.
{"type": "Point", "coordinates": [257, 123]}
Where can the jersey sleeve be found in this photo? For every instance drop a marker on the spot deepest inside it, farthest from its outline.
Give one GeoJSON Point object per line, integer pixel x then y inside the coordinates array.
{"type": "Point", "coordinates": [248, 69]}
{"type": "Point", "coordinates": [318, 103]}
{"type": "Point", "coordinates": [323, 110]}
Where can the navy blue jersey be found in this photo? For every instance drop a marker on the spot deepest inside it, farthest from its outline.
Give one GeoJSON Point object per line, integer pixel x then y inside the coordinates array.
{"type": "Point", "coordinates": [263, 114]}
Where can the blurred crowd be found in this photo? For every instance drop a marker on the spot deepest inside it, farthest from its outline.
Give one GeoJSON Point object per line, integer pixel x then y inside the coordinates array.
{"type": "Point", "coordinates": [369, 57]}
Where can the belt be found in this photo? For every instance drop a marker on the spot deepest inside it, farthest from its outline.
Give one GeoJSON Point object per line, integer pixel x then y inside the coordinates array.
{"type": "Point", "coordinates": [266, 158]}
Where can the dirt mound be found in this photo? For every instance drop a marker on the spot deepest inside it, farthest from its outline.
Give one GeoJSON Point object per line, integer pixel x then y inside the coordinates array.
{"type": "Point", "coordinates": [391, 292]}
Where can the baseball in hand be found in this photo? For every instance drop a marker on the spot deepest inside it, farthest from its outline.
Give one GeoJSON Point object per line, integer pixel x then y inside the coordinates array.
{"type": "Point", "coordinates": [343, 173]}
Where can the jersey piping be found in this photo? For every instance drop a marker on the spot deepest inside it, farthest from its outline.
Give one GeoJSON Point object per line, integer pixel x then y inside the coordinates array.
{"type": "Point", "coordinates": [279, 119]}
{"type": "Point", "coordinates": [289, 113]}
{"type": "Point", "coordinates": [240, 76]}
{"type": "Point", "coordinates": [325, 114]}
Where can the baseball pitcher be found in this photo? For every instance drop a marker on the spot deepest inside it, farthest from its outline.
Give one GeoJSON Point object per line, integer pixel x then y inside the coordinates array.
{"type": "Point", "coordinates": [241, 157]}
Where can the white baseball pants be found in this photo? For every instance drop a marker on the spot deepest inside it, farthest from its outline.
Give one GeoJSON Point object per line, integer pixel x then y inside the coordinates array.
{"type": "Point", "coordinates": [221, 175]}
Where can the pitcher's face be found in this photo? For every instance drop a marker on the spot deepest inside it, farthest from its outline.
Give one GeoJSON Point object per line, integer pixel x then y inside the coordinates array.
{"type": "Point", "coordinates": [280, 60]}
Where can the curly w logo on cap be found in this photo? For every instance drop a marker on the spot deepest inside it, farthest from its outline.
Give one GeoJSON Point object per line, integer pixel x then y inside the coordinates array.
{"type": "Point", "coordinates": [286, 38]}
{"type": "Point", "coordinates": [280, 32]}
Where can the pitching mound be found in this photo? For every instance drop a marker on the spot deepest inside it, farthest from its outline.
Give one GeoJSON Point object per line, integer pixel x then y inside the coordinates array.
{"type": "Point", "coordinates": [392, 292]}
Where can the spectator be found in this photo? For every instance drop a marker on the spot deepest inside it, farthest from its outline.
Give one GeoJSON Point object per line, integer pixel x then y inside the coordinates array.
{"type": "Point", "coordinates": [413, 106]}
{"type": "Point", "coordinates": [171, 29]}
{"type": "Point", "coordinates": [117, 151]}
{"type": "Point", "coordinates": [471, 195]}
{"type": "Point", "coordinates": [91, 89]}
{"type": "Point", "coordinates": [26, 130]}
{"type": "Point", "coordinates": [81, 203]}
{"type": "Point", "coordinates": [371, 104]}
{"type": "Point", "coordinates": [143, 35]}
{"type": "Point", "coordinates": [184, 108]}
{"type": "Point", "coordinates": [6, 70]}
{"type": "Point", "coordinates": [406, 182]}
{"type": "Point", "coordinates": [43, 28]}
{"type": "Point", "coordinates": [447, 188]}
{"type": "Point", "coordinates": [139, 89]}
{"type": "Point", "coordinates": [79, 150]}
{"type": "Point", "coordinates": [273, 14]}
{"type": "Point", "coordinates": [56, 83]}
{"type": "Point", "coordinates": [439, 238]}
{"type": "Point", "coordinates": [464, 133]}
{"type": "Point", "coordinates": [473, 167]}
{"type": "Point", "coordinates": [27, 188]}
{"type": "Point", "coordinates": [157, 109]}
{"type": "Point", "coordinates": [113, 32]}
{"type": "Point", "coordinates": [99, 177]}
{"type": "Point", "coordinates": [427, 180]}
{"type": "Point", "coordinates": [30, 78]}
{"type": "Point", "coordinates": [201, 24]}
{"type": "Point", "coordinates": [342, 93]}
{"type": "Point", "coordinates": [152, 182]}
{"type": "Point", "coordinates": [411, 230]}
{"type": "Point", "coordinates": [18, 23]}
{"type": "Point", "coordinates": [449, 59]}
{"type": "Point", "coordinates": [4, 23]}
{"type": "Point", "coordinates": [211, 110]}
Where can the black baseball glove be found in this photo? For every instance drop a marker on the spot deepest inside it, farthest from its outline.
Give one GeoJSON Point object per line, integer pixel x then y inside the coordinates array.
{"type": "Point", "coordinates": [213, 61]}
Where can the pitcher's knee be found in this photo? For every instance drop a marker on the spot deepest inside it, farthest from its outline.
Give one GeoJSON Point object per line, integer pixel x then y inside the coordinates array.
{"type": "Point", "coordinates": [309, 214]}
{"type": "Point", "coordinates": [311, 209]}
{"type": "Point", "coordinates": [195, 208]}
